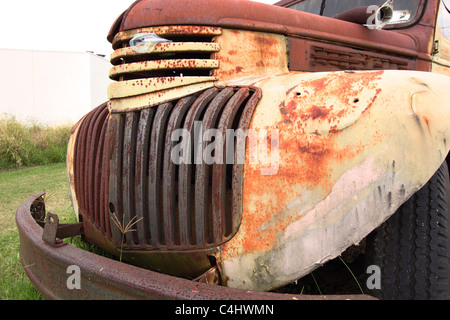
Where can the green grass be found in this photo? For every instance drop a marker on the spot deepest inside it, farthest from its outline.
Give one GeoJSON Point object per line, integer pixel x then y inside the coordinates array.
{"type": "Point", "coordinates": [15, 187]}
{"type": "Point", "coordinates": [22, 146]}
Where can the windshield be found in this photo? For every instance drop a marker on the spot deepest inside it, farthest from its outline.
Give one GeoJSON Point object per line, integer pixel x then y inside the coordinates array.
{"type": "Point", "coordinates": [330, 8]}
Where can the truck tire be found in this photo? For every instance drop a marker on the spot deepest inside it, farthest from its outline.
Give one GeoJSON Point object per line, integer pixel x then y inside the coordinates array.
{"type": "Point", "coordinates": [411, 250]}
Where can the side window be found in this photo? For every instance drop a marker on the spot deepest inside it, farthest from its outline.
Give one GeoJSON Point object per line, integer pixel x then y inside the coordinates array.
{"type": "Point", "coordinates": [444, 19]}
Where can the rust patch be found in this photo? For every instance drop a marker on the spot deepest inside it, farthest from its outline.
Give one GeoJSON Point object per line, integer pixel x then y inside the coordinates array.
{"type": "Point", "coordinates": [316, 112]}
{"type": "Point", "coordinates": [245, 53]}
{"type": "Point", "coordinates": [265, 41]}
{"type": "Point", "coordinates": [314, 155]}
{"type": "Point", "coordinates": [318, 92]}
{"type": "Point", "coordinates": [307, 156]}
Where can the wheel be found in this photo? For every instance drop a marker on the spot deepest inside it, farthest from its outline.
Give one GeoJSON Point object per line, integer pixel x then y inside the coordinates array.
{"type": "Point", "coordinates": [411, 249]}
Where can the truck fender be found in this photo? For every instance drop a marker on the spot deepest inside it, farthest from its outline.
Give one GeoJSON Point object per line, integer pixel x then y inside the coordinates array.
{"type": "Point", "coordinates": [350, 147]}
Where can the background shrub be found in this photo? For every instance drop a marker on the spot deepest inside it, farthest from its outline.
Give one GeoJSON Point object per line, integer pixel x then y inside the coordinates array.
{"type": "Point", "coordinates": [31, 143]}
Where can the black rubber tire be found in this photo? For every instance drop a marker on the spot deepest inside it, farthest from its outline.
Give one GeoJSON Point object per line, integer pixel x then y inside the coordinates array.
{"type": "Point", "coordinates": [412, 248]}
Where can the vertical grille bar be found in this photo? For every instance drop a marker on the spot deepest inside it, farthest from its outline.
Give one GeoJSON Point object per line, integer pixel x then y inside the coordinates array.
{"type": "Point", "coordinates": [185, 175]}
{"type": "Point", "coordinates": [169, 187]}
{"type": "Point", "coordinates": [202, 173]}
{"type": "Point", "coordinates": [99, 190]}
{"type": "Point", "coordinates": [105, 196]}
{"type": "Point", "coordinates": [115, 183]}
{"type": "Point", "coordinates": [129, 154]}
{"type": "Point", "coordinates": [142, 158]}
{"type": "Point", "coordinates": [155, 166]}
{"type": "Point", "coordinates": [91, 146]}
{"type": "Point", "coordinates": [238, 167]}
{"type": "Point", "coordinates": [219, 176]}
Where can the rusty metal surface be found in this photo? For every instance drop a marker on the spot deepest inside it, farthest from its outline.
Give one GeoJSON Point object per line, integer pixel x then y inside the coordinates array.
{"type": "Point", "coordinates": [50, 230]}
{"type": "Point", "coordinates": [186, 206]}
{"type": "Point", "coordinates": [185, 170]}
{"type": "Point", "coordinates": [176, 207]}
{"type": "Point", "coordinates": [122, 38]}
{"type": "Point", "coordinates": [314, 56]}
{"type": "Point", "coordinates": [155, 178]}
{"type": "Point", "coordinates": [186, 209]}
{"type": "Point", "coordinates": [147, 77]}
{"type": "Point", "coordinates": [250, 54]}
{"type": "Point", "coordinates": [130, 88]}
{"type": "Point", "coordinates": [171, 48]}
{"type": "Point", "coordinates": [349, 144]}
{"type": "Point", "coordinates": [141, 188]}
{"type": "Point", "coordinates": [246, 15]}
{"type": "Point", "coordinates": [90, 169]}
{"type": "Point", "coordinates": [202, 170]}
{"type": "Point", "coordinates": [53, 231]}
{"type": "Point", "coordinates": [413, 40]}
{"type": "Point", "coordinates": [103, 278]}
{"type": "Point", "coordinates": [263, 51]}
{"type": "Point", "coordinates": [169, 182]}
{"type": "Point", "coordinates": [146, 69]}
{"type": "Point", "coordinates": [233, 54]}
{"type": "Point", "coordinates": [221, 223]}
{"type": "Point", "coordinates": [154, 98]}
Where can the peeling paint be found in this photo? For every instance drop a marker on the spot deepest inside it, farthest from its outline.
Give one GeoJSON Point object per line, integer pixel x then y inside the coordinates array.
{"type": "Point", "coordinates": [335, 154]}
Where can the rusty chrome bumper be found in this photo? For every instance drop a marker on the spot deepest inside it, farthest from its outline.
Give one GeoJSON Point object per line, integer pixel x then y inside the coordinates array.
{"type": "Point", "coordinates": [102, 278]}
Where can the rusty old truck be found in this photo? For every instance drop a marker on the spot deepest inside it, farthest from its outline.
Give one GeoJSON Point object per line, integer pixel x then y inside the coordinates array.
{"type": "Point", "coordinates": [244, 145]}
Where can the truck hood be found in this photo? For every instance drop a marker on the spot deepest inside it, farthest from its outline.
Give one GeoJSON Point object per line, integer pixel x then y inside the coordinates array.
{"type": "Point", "coordinates": [249, 15]}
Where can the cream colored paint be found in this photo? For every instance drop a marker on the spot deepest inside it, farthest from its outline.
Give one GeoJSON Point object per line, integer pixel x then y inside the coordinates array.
{"type": "Point", "coordinates": [242, 54]}
{"type": "Point", "coordinates": [404, 136]}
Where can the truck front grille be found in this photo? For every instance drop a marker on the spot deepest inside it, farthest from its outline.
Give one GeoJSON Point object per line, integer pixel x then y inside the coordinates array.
{"type": "Point", "coordinates": [176, 206]}
{"type": "Point", "coordinates": [188, 59]}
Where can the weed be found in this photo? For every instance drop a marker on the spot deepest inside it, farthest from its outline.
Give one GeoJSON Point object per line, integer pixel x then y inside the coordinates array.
{"type": "Point", "coordinates": [315, 281]}
{"type": "Point", "coordinates": [353, 275]}
{"type": "Point", "coordinates": [124, 229]}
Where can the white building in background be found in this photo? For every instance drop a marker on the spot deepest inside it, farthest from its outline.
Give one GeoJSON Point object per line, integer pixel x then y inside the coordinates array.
{"type": "Point", "coordinates": [51, 87]}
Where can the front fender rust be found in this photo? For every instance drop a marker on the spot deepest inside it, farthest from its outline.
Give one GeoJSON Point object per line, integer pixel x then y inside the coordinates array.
{"type": "Point", "coordinates": [104, 278]}
{"type": "Point", "coordinates": [352, 147]}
